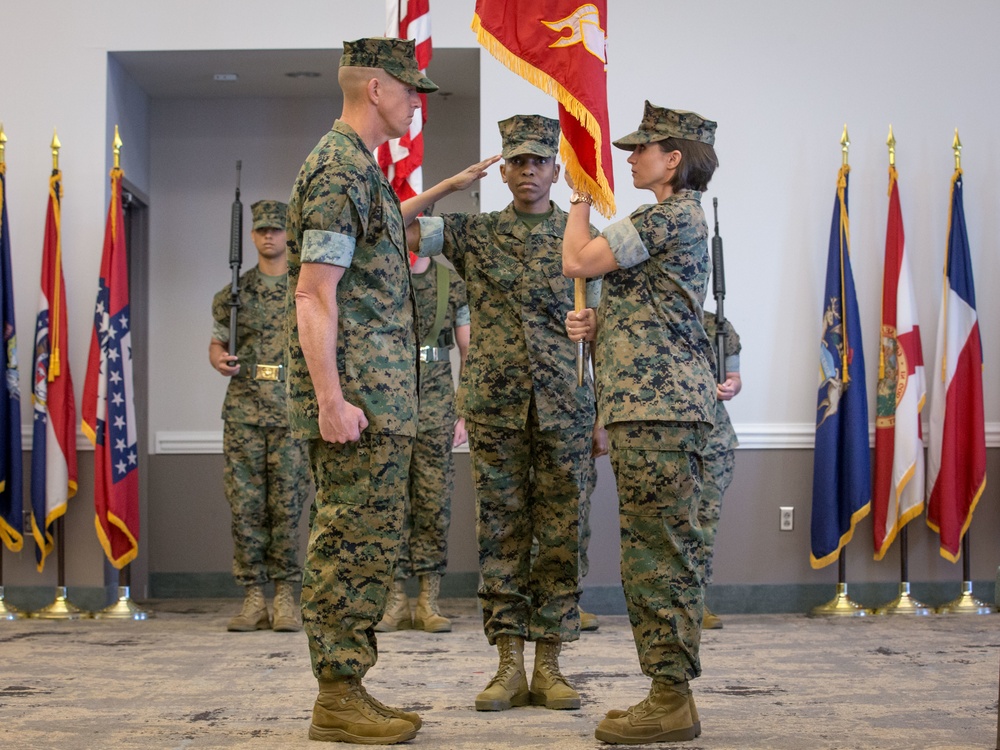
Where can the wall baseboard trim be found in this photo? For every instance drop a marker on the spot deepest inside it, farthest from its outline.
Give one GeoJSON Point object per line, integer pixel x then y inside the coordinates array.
{"type": "Point", "coordinates": [609, 600]}
{"type": "Point", "coordinates": [752, 436]}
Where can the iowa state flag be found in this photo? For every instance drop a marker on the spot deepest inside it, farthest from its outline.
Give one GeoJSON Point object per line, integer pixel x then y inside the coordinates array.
{"type": "Point", "coordinates": [53, 447]}
{"type": "Point", "coordinates": [956, 461]}
{"type": "Point", "coordinates": [11, 480]}
{"type": "Point", "coordinates": [841, 464]}
{"type": "Point", "coordinates": [899, 446]}
{"type": "Point", "coordinates": [401, 159]}
{"type": "Point", "coordinates": [108, 405]}
{"type": "Point", "coordinates": [560, 47]}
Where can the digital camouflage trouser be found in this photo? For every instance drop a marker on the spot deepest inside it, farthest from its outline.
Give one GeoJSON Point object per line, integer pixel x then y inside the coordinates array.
{"type": "Point", "coordinates": [266, 480]}
{"type": "Point", "coordinates": [659, 476]}
{"type": "Point", "coordinates": [528, 484]}
{"type": "Point", "coordinates": [424, 547]}
{"type": "Point", "coordinates": [355, 527]}
{"type": "Point", "coordinates": [719, 465]}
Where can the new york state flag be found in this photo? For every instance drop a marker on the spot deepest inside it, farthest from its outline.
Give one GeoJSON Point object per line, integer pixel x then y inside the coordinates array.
{"type": "Point", "coordinates": [109, 419]}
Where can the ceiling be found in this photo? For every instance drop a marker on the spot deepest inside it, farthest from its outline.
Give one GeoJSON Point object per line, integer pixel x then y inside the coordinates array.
{"type": "Point", "coordinates": [189, 74]}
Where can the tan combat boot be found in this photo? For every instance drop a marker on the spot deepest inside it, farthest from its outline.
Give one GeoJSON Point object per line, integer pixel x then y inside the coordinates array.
{"type": "Point", "coordinates": [667, 714]}
{"type": "Point", "coordinates": [344, 712]}
{"type": "Point", "coordinates": [710, 620]}
{"type": "Point", "coordinates": [287, 612]}
{"type": "Point", "coordinates": [427, 616]}
{"type": "Point", "coordinates": [253, 615]}
{"type": "Point", "coordinates": [588, 621]}
{"type": "Point", "coordinates": [616, 713]}
{"type": "Point", "coordinates": [509, 686]}
{"type": "Point", "coordinates": [548, 687]}
{"type": "Point", "coordinates": [397, 612]}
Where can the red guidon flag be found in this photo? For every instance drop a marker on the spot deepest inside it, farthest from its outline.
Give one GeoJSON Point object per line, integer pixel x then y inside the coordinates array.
{"type": "Point", "coordinates": [560, 47]}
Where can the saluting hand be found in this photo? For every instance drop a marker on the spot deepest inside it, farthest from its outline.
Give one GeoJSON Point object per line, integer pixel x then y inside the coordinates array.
{"type": "Point", "coordinates": [473, 174]}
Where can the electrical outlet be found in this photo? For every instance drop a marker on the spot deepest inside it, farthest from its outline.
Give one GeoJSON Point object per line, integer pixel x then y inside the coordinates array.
{"type": "Point", "coordinates": [786, 518]}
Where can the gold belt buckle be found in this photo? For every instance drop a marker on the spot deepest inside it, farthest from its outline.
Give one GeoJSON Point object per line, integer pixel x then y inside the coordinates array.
{"type": "Point", "coordinates": [268, 372]}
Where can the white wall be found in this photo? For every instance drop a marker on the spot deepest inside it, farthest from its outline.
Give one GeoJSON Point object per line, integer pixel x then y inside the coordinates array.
{"type": "Point", "coordinates": [781, 77]}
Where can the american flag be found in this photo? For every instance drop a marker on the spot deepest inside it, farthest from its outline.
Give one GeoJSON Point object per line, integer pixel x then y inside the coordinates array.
{"type": "Point", "coordinates": [108, 405]}
{"type": "Point", "coordinates": [401, 159]}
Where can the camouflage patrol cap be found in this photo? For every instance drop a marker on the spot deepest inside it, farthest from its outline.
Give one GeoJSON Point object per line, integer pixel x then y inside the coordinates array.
{"type": "Point", "coordinates": [397, 57]}
{"type": "Point", "coordinates": [659, 123]}
{"type": "Point", "coordinates": [529, 134]}
{"type": "Point", "coordinates": [269, 214]}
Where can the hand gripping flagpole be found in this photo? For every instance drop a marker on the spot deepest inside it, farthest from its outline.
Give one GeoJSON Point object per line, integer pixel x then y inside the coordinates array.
{"type": "Point", "coordinates": [61, 608]}
{"type": "Point", "coordinates": [7, 611]}
{"type": "Point", "coordinates": [841, 605]}
{"type": "Point", "coordinates": [966, 603]}
{"type": "Point", "coordinates": [905, 603]}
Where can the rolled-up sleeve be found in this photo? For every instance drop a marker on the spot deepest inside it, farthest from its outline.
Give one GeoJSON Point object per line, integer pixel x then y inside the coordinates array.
{"type": "Point", "coordinates": [431, 235]}
{"type": "Point", "coordinates": [626, 244]}
{"type": "Point", "coordinates": [331, 248]}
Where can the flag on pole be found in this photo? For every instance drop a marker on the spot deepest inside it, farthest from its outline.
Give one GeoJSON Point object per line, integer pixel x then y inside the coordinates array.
{"type": "Point", "coordinates": [11, 480]}
{"type": "Point", "coordinates": [109, 420]}
{"type": "Point", "coordinates": [841, 464]}
{"type": "Point", "coordinates": [899, 446]}
{"type": "Point", "coordinates": [401, 159]}
{"type": "Point", "coordinates": [53, 449]}
{"type": "Point", "coordinates": [560, 46]}
{"type": "Point", "coordinates": [956, 461]}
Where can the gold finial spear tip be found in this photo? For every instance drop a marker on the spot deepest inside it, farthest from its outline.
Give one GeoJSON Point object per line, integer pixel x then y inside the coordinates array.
{"type": "Point", "coordinates": [956, 146]}
{"type": "Point", "coordinates": [3, 135]}
{"type": "Point", "coordinates": [118, 140]}
{"type": "Point", "coordinates": [56, 145]}
{"type": "Point", "coordinates": [117, 149]}
{"type": "Point", "coordinates": [845, 142]}
{"type": "Point", "coordinates": [891, 143]}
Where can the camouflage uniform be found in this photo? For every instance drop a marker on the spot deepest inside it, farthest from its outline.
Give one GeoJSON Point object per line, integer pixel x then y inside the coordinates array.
{"type": "Point", "coordinates": [529, 424]}
{"type": "Point", "coordinates": [343, 212]}
{"type": "Point", "coordinates": [432, 469]}
{"type": "Point", "coordinates": [266, 475]}
{"type": "Point", "coordinates": [656, 395]}
{"type": "Point", "coordinates": [719, 457]}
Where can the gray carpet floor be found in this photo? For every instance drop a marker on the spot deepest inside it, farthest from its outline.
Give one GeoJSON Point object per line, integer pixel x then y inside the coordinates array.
{"type": "Point", "coordinates": [776, 682]}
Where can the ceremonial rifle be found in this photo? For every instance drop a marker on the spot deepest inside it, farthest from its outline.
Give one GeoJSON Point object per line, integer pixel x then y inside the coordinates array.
{"type": "Point", "coordinates": [235, 259]}
{"type": "Point", "coordinates": [719, 292]}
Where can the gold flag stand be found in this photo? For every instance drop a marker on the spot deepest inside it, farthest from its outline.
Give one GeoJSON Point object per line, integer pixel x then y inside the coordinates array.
{"type": "Point", "coordinates": [8, 611]}
{"type": "Point", "coordinates": [841, 605]}
{"type": "Point", "coordinates": [966, 603]}
{"type": "Point", "coordinates": [904, 604]}
{"type": "Point", "coordinates": [61, 608]}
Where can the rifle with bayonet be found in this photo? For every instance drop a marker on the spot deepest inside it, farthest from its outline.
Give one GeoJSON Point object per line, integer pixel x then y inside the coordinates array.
{"type": "Point", "coordinates": [235, 259]}
{"type": "Point", "coordinates": [719, 292]}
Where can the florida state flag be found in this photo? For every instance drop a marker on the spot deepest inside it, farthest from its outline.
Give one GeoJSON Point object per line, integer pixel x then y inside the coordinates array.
{"type": "Point", "coordinates": [108, 405]}
{"type": "Point", "coordinates": [560, 47]}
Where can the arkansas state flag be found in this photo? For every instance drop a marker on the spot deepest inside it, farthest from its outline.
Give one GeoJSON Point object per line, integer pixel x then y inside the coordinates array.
{"type": "Point", "coordinates": [53, 447]}
{"type": "Point", "coordinates": [956, 461]}
{"type": "Point", "coordinates": [841, 462]}
{"type": "Point", "coordinates": [560, 47]}
{"type": "Point", "coordinates": [899, 446]}
{"type": "Point", "coordinates": [11, 480]}
{"type": "Point", "coordinates": [108, 405]}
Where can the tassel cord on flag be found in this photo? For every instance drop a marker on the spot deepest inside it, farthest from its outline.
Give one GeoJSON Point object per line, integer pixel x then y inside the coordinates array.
{"type": "Point", "coordinates": [845, 229]}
